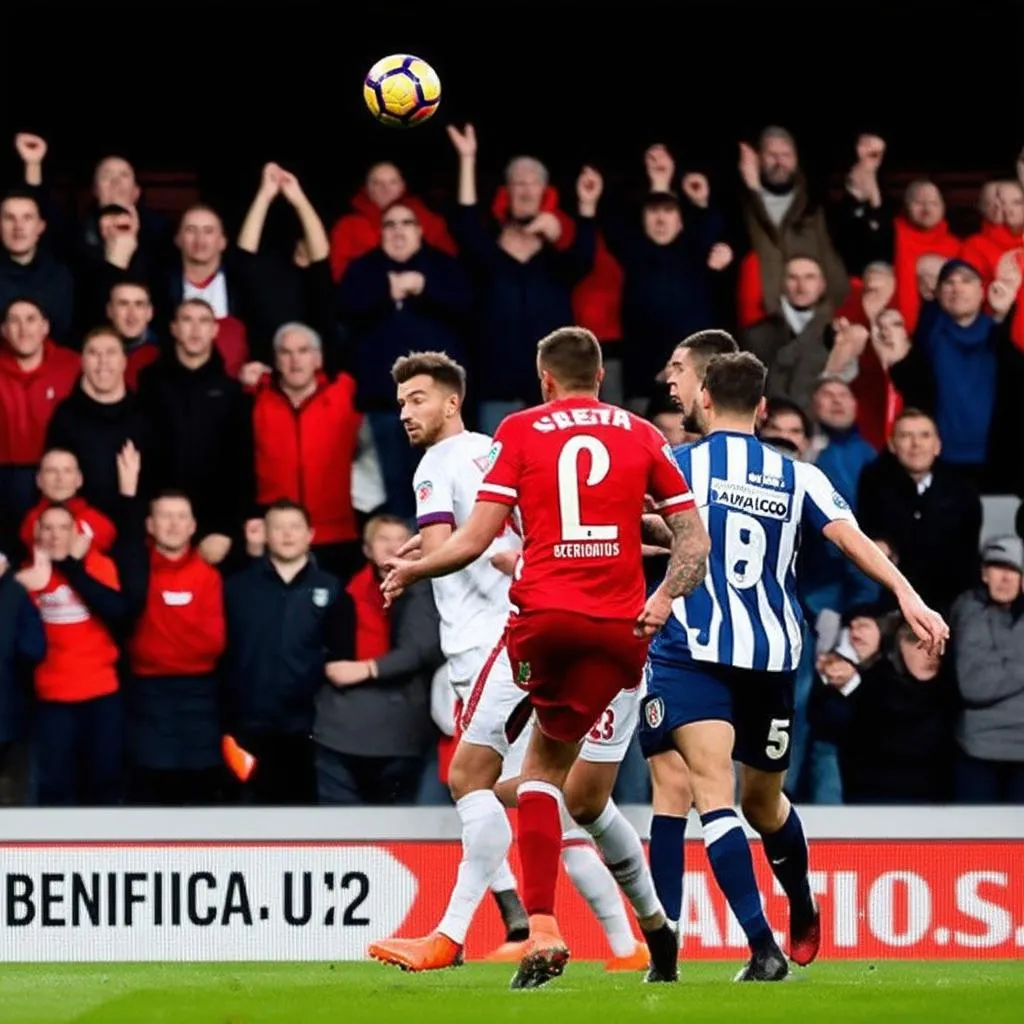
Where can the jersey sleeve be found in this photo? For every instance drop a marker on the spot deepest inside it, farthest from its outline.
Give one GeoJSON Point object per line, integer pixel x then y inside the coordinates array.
{"type": "Point", "coordinates": [823, 504]}
{"type": "Point", "coordinates": [665, 481]}
{"type": "Point", "coordinates": [435, 500]}
{"type": "Point", "coordinates": [504, 463]}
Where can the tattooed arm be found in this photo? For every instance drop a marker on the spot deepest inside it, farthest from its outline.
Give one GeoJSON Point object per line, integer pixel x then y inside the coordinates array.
{"type": "Point", "coordinates": [686, 569]}
{"type": "Point", "coordinates": [655, 531]}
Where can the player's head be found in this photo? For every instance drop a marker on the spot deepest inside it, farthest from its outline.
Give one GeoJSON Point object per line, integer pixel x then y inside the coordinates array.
{"type": "Point", "coordinates": [431, 389]}
{"type": "Point", "coordinates": [733, 390]}
{"type": "Point", "coordinates": [686, 367]}
{"type": "Point", "coordinates": [569, 363]}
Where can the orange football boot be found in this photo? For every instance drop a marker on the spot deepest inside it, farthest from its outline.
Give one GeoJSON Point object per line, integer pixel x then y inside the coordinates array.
{"type": "Point", "coordinates": [433, 952]}
{"type": "Point", "coordinates": [638, 960]}
{"type": "Point", "coordinates": [546, 954]}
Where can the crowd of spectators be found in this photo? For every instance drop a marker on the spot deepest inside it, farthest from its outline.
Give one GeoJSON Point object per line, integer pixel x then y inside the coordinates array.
{"type": "Point", "coordinates": [202, 467]}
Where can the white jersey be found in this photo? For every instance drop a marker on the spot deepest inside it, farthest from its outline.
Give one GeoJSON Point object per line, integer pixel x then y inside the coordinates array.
{"type": "Point", "coordinates": [472, 603]}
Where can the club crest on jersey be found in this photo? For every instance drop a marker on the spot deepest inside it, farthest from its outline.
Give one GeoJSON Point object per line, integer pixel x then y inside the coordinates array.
{"type": "Point", "coordinates": [654, 712]}
{"type": "Point", "coordinates": [492, 457]}
{"type": "Point", "coordinates": [321, 596]}
{"type": "Point", "coordinates": [744, 497]}
{"type": "Point", "coordinates": [523, 673]}
{"type": "Point", "coordinates": [840, 502]}
{"type": "Point", "coordinates": [424, 491]}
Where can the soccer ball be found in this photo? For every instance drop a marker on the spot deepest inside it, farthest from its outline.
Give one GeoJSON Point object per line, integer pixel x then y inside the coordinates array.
{"type": "Point", "coordinates": [402, 91]}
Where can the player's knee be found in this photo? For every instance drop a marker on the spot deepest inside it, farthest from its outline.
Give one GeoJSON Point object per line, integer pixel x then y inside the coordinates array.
{"type": "Point", "coordinates": [764, 807]}
{"type": "Point", "coordinates": [582, 806]}
{"type": "Point", "coordinates": [471, 771]}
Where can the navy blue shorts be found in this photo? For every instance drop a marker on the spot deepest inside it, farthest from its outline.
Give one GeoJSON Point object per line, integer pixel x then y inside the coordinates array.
{"type": "Point", "coordinates": [759, 706]}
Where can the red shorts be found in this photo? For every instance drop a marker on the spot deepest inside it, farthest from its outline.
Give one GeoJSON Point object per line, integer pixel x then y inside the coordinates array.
{"type": "Point", "coordinates": [572, 666]}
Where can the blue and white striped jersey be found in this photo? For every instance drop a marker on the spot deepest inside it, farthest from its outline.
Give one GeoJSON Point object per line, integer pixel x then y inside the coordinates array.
{"type": "Point", "coordinates": [754, 502]}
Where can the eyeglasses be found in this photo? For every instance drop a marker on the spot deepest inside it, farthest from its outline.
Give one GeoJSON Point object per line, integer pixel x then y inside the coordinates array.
{"type": "Point", "coordinates": [406, 222]}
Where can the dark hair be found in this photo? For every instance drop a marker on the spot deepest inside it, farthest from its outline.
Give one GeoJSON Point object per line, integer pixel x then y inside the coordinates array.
{"type": "Point", "coordinates": [287, 505]}
{"type": "Point", "coordinates": [784, 406]}
{"type": "Point", "coordinates": [704, 344]}
{"type": "Point", "coordinates": [28, 300]}
{"type": "Point", "coordinates": [103, 331]}
{"type": "Point", "coordinates": [661, 201]}
{"type": "Point", "coordinates": [438, 366]}
{"type": "Point", "coordinates": [735, 382]}
{"type": "Point", "coordinates": [170, 494]}
{"type": "Point", "coordinates": [913, 413]}
{"type": "Point", "coordinates": [22, 193]}
{"type": "Point", "coordinates": [572, 355]}
{"type": "Point", "coordinates": [131, 284]}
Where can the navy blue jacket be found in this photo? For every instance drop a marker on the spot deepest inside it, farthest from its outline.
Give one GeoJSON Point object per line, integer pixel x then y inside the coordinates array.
{"type": "Point", "coordinates": [22, 647]}
{"type": "Point", "coordinates": [279, 636]}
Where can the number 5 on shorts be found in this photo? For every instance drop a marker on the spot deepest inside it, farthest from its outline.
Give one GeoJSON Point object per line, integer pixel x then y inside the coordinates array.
{"type": "Point", "coordinates": [778, 738]}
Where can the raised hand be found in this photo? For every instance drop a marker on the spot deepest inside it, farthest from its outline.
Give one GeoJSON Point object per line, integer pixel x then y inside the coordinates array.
{"type": "Point", "coordinates": [660, 167]}
{"type": "Point", "coordinates": [464, 141]}
{"type": "Point", "coordinates": [270, 183]}
{"type": "Point", "coordinates": [870, 151]}
{"type": "Point", "coordinates": [38, 574]}
{"type": "Point", "coordinates": [749, 166]}
{"type": "Point", "coordinates": [720, 256]}
{"type": "Point", "coordinates": [81, 541]}
{"type": "Point", "coordinates": [129, 468]}
{"type": "Point", "coordinates": [589, 186]}
{"type": "Point", "coordinates": [31, 148]}
{"type": "Point", "coordinates": [546, 225]}
{"type": "Point", "coordinates": [290, 187]}
{"type": "Point", "coordinates": [696, 189]}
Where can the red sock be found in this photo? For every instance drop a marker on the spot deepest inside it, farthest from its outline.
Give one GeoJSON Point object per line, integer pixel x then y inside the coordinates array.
{"type": "Point", "coordinates": [540, 850]}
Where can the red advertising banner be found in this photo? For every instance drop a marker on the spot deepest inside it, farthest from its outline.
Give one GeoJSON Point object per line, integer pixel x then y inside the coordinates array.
{"type": "Point", "coordinates": [900, 899]}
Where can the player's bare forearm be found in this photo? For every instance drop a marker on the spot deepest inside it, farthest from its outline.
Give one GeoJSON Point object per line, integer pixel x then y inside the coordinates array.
{"type": "Point", "coordinates": [688, 562]}
{"type": "Point", "coordinates": [867, 556]}
{"type": "Point", "coordinates": [467, 543]}
{"type": "Point", "coordinates": [655, 531]}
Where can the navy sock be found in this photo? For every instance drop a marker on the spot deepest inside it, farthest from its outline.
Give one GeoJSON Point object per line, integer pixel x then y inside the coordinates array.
{"type": "Point", "coordinates": [786, 851]}
{"type": "Point", "coordinates": [666, 855]}
{"type": "Point", "coordinates": [729, 854]}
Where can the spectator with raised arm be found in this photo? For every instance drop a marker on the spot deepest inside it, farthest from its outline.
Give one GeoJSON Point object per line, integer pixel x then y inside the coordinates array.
{"type": "Point", "coordinates": [298, 287]}
{"type": "Point", "coordinates": [527, 281]}
{"type": "Point", "coordinates": [78, 719]}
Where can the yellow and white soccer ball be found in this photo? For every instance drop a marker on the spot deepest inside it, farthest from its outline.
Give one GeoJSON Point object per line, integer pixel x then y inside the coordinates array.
{"type": "Point", "coordinates": [402, 91]}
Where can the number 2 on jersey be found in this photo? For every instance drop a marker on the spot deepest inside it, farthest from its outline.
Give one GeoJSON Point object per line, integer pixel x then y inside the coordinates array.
{"type": "Point", "coordinates": [745, 544]}
{"type": "Point", "coordinates": [569, 487]}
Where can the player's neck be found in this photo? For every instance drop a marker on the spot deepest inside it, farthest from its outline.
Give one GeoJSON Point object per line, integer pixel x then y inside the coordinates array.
{"type": "Point", "coordinates": [562, 396]}
{"type": "Point", "coordinates": [730, 424]}
{"type": "Point", "coordinates": [450, 429]}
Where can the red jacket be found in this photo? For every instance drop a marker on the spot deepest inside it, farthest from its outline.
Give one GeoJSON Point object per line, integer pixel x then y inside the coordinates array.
{"type": "Point", "coordinates": [27, 401]}
{"type": "Point", "coordinates": [356, 233]}
{"type": "Point", "coordinates": [306, 454]}
{"type": "Point", "coordinates": [81, 656]}
{"type": "Point", "coordinates": [87, 519]}
{"type": "Point", "coordinates": [182, 630]}
{"type": "Point", "coordinates": [985, 249]}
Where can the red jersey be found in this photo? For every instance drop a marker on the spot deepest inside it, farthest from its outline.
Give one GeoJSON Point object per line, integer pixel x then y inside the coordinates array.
{"type": "Point", "coordinates": [579, 469]}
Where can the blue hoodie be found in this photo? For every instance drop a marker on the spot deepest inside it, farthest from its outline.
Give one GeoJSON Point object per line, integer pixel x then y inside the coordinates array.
{"type": "Point", "coordinates": [964, 366]}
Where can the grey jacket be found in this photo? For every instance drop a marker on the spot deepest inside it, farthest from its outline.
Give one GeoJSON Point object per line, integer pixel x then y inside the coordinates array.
{"type": "Point", "coordinates": [388, 716]}
{"type": "Point", "coordinates": [989, 643]}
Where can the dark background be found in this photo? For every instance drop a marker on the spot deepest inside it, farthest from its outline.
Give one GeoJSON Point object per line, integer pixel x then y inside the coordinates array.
{"type": "Point", "coordinates": [219, 88]}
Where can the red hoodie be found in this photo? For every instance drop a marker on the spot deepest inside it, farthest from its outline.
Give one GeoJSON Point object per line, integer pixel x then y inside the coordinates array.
{"type": "Point", "coordinates": [87, 519]}
{"type": "Point", "coordinates": [985, 249]}
{"type": "Point", "coordinates": [910, 244]}
{"type": "Point", "coordinates": [182, 630]}
{"type": "Point", "coordinates": [81, 656]}
{"type": "Point", "coordinates": [357, 233]}
{"type": "Point", "coordinates": [28, 399]}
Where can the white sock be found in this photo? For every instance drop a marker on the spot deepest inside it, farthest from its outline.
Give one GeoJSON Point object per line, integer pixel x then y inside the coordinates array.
{"type": "Point", "coordinates": [503, 879]}
{"type": "Point", "coordinates": [623, 853]}
{"type": "Point", "coordinates": [595, 884]}
{"type": "Point", "coordinates": [486, 838]}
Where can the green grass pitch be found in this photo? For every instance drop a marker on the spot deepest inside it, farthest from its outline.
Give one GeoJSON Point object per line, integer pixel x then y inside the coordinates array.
{"type": "Point", "coordinates": [353, 993]}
